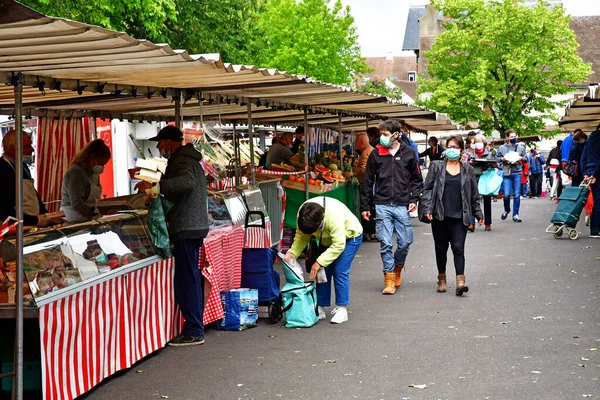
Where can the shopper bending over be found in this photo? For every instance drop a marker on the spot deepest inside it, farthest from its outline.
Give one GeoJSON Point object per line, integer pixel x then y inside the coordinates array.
{"type": "Point", "coordinates": [340, 233]}
{"type": "Point", "coordinates": [450, 198]}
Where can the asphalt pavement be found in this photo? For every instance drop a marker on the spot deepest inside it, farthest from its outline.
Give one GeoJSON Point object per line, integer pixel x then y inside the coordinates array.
{"type": "Point", "coordinates": [529, 328]}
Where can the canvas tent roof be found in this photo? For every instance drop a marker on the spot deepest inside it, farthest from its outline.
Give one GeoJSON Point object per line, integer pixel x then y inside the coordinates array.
{"type": "Point", "coordinates": [584, 112]}
{"type": "Point", "coordinates": [75, 69]}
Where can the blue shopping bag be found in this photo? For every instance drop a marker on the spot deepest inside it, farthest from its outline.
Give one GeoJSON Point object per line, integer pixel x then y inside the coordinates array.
{"type": "Point", "coordinates": [240, 308]}
{"type": "Point", "coordinates": [490, 182]}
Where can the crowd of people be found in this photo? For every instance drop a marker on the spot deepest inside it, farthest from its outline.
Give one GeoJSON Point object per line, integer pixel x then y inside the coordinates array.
{"type": "Point", "coordinates": [391, 187]}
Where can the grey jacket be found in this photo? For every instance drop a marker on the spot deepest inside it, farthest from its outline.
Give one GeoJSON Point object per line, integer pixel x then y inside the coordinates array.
{"type": "Point", "coordinates": [184, 184]}
{"type": "Point", "coordinates": [510, 169]}
{"type": "Point", "coordinates": [481, 167]}
{"type": "Point", "coordinates": [433, 192]}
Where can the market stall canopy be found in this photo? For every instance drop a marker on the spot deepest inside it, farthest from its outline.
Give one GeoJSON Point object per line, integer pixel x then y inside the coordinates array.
{"type": "Point", "coordinates": [583, 113]}
{"type": "Point", "coordinates": [74, 69]}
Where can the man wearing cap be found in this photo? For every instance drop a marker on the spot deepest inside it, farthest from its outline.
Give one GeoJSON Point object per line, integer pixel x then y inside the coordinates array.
{"type": "Point", "coordinates": [184, 184]}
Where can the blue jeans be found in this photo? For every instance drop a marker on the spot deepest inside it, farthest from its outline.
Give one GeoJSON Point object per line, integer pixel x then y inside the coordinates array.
{"type": "Point", "coordinates": [512, 183]}
{"type": "Point", "coordinates": [392, 219]}
{"type": "Point", "coordinates": [339, 270]}
{"type": "Point", "coordinates": [188, 285]}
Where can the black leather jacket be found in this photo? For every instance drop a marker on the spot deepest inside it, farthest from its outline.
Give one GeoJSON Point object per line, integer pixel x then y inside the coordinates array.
{"type": "Point", "coordinates": [433, 192]}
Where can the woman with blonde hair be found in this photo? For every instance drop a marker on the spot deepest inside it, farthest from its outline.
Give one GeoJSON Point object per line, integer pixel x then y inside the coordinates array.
{"type": "Point", "coordinates": [480, 152]}
{"type": "Point", "coordinates": [81, 187]}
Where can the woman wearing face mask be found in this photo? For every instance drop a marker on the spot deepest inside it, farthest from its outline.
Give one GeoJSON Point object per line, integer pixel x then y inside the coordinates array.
{"type": "Point", "coordinates": [450, 198]}
{"type": "Point", "coordinates": [479, 151]}
{"type": "Point", "coordinates": [81, 188]}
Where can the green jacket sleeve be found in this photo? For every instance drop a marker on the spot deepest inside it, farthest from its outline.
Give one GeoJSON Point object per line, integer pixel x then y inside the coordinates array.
{"type": "Point", "coordinates": [337, 232]}
{"type": "Point", "coordinates": [300, 243]}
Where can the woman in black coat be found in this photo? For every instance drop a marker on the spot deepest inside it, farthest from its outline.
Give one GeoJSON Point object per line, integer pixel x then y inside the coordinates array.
{"type": "Point", "coordinates": [449, 200]}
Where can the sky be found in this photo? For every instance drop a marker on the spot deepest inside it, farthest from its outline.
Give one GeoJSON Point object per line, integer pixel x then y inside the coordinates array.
{"type": "Point", "coordinates": [381, 23]}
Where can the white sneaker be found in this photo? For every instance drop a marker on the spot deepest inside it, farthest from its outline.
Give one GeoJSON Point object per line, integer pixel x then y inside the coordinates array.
{"type": "Point", "coordinates": [340, 315]}
{"type": "Point", "coordinates": [322, 314]}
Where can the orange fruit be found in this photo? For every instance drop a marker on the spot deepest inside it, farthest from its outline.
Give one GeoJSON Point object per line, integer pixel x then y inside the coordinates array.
{"type": "Point", "coordinates": [292, 178]}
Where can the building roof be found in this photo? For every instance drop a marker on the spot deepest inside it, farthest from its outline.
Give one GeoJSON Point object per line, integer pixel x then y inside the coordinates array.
{"type": "Point", "coordinates": [587, 30]}
{"type": "Point", "coordinates": [411, 32]}
{"type": "Point", "coordinates": [386, 67]}
{"type": "Point", "coordinates": [408, 87]}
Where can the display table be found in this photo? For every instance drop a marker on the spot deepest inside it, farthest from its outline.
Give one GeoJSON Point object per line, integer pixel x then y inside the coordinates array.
{"type": "Point", "coordinates": [347, 194]}
{"type": "Point", "coordinates": [94, 328]}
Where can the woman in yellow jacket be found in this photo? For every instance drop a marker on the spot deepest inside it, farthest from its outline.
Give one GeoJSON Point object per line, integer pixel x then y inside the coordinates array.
{"type": "Point", "coordinates": [340, 232]}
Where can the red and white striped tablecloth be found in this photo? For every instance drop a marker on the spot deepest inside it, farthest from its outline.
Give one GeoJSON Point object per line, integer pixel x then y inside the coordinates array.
{"type": "Point", "coordinates": [221, 264]}
{"type": "Point", "coordinates": [92, 334]}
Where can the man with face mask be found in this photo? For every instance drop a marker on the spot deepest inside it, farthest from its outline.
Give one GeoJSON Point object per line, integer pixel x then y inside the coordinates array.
{"type": "Point", "coordinates": [33, 208]}
{"type": "Point", "coordinates": [393, 170]}
{"type": "Point", "coordinates": [184, 184]}
{"type": "Point", "coordinates": [512, 154]}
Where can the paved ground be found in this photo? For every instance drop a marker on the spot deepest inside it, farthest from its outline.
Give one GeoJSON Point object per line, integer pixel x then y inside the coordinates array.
{"type": "Point", "coordinates": [528, 329]}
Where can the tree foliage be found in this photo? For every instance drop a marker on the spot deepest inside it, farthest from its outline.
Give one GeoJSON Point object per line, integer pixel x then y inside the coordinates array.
{"type": "Point", "coordinates": [380, 88]}
{"type": "Point", "coordinates": [499, 62]}
{"type": "Point", "coordinates": [144, 19]}
{"type": "Point", "coordinates": [309, 37]}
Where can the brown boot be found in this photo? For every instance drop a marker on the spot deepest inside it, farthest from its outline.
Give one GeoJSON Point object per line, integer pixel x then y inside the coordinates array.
{"type": "Point", "coordinates": [441, 283]}
{"type": "Point", "coordinates": [388, 278]}
{"type": "Point", "coordinates": [398, 277]}
{"type": "Point", "coordinates": [460, 285]}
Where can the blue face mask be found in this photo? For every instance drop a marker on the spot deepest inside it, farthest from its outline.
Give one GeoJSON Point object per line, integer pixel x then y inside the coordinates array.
{"type": "Point", "coordinates": [453, 154]}
{"type": "Point", "coordinates": [513, 140]}
{"type": "Point", "coordinates": [385, 141]}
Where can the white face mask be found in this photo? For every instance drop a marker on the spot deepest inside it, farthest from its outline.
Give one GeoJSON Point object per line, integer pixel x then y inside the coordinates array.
{"type": "Point", "coordinates": [473, 146]}
{"type": "Point", "coordinates": [98, 169]}
{"type": "Point", "coordinates": [478, 145]}
{"type": "Point", "coordinates": [28, 159]}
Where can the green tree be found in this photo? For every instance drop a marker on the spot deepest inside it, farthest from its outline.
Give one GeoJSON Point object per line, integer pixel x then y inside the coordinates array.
{"type": "Point", "coordinates": [310, 37]}
{"type": "Point", "coordinates": [228, 27]}
{"type": "Point", "coordinates": [380, 88]}
{"type": "Point", "coordinates": [499, 62]}
{"type": "Point", "coordinates": [142, 19]}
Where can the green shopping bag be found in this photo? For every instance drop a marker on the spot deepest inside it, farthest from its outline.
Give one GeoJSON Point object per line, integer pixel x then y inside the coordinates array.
{"type": "Point", "coordinates": [157, 224]}
{"type": "Point", "coordinates": [490, 182]}
{"type": "Point", "coordinates": [299, 300]}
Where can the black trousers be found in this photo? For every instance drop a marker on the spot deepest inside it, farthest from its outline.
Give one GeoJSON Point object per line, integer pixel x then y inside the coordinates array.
{"type": "Point", "coordinates": [535, 181]}
{"type": "Point", "coordinates": [449, 232]}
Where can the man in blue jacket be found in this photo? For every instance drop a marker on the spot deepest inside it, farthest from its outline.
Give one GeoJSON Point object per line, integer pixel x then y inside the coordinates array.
{"type": "Point", "coordinates": [536, 170]}
{"type": "Point", "coordinates": [590, 161]}
{"type": "Point", "coordinates": [512, 173]}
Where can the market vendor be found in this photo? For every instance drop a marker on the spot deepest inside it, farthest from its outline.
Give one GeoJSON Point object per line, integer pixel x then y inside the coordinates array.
{"type": "Point", "coordinates": [280, 152]}
{"type": "Point", "coordinates": [33, 209]}
{"type": "Point", "coordinates": [184, 184]}
{"type": "Point", "coordinates": [81, 189]}
{"type": "Point", "coordinates": [299, 140]}
{"type": "Point", "coordinates": [340, 234]}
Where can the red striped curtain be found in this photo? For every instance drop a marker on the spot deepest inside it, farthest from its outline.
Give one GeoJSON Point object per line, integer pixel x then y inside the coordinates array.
{"type": "Point", "coordinates": [58, 141]}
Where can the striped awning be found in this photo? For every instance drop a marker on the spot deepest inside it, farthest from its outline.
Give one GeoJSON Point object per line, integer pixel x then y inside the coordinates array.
{"type": "Point", "coordinates": [73, 69]}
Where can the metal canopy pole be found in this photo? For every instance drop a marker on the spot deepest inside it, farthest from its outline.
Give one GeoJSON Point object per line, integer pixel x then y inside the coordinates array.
{"type": "Point", "coordinates": [236, 156]}
{"type": "Point", "coordinates": [251, 138]}
{"type": "Point", "coordinates": [17, 389]}
{"type": "Point", "coordinates": [340, 137]}
{"type": "Point", "coordinates": [178, 113]}
{"type": "Point", "coordinates": [306, 144]}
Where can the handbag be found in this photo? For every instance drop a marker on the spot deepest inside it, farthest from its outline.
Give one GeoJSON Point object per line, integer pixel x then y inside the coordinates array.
{"type": "Point", "coordinates": [315, 248]}
{"type": "Point", "coordinates": [299, 300]}
{"type": "Point", "coordinates": [570, 168]}
{"type": "Point", "coordinates": [490, 182]}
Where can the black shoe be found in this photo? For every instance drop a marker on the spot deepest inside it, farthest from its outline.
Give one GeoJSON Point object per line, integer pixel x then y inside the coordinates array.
{"type": "Point", "coordinates": [182, 340]}
{"type": "Point", "coordinates": [516, 218]}
{"type": "Point", "coordinates": [504, 215]}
